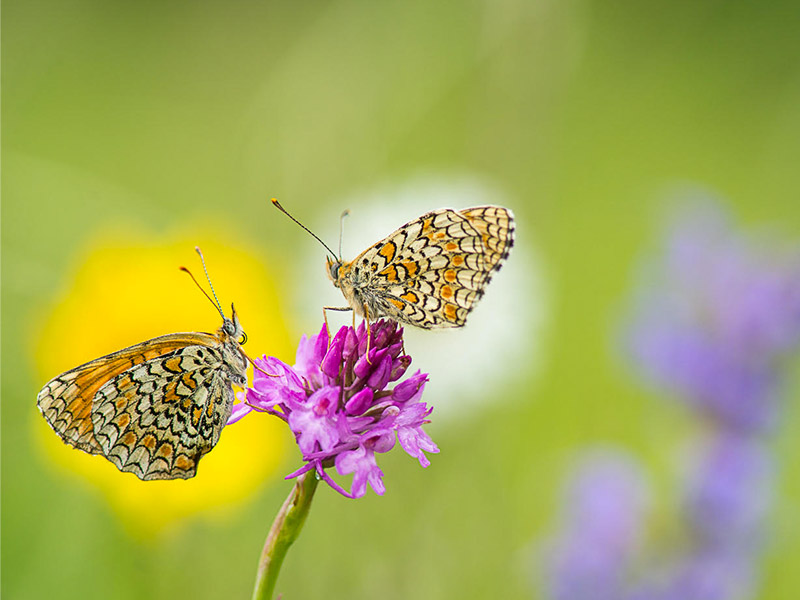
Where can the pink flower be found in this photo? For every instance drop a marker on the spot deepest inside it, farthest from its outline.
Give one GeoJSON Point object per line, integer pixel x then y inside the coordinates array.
{"type": "Point", "coordinates": [339, 406]}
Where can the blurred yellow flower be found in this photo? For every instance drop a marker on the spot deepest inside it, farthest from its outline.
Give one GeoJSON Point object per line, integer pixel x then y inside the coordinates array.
{"type": "Point", "coordinates": [126, 289]}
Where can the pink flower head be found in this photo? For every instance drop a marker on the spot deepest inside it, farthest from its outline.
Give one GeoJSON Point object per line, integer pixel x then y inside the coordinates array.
{"type": "Point", "coordinates": [340, 406]}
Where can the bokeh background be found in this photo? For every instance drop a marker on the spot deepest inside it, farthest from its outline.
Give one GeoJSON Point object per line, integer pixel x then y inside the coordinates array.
{"type": "Point", "coordinates": [132, 132]}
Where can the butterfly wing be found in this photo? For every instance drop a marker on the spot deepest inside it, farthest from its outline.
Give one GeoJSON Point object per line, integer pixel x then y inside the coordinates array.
{"type": "Point", "coordinates": [66, 400]}
{"type": "Point", "coordinates": [160, 417]}
{"type": "Point", "coordinates": [495, 225]}
{"type": "Point", "coordinates": [430, 272]}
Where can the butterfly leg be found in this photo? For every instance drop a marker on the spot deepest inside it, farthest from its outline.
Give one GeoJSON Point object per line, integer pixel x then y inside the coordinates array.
{"type": "Point", "coordinates": [325, 310]}
{"type": "Point", "coordinates": [369, 332]}
{"type": "Point", "coordinates": [255, 366]}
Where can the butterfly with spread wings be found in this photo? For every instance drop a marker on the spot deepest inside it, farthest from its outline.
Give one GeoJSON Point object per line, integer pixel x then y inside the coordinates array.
{"type": "Point", "coordinates": [153, 409]}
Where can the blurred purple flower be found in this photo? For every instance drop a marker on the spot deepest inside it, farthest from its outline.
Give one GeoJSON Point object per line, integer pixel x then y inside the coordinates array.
{"type": "Point", "coordinates": [338, 404]}
{"type": "Point", "coordinates": [745, 288]}
{"type": "Point", "coordinates": [728, 493]}
{"type": "Point", "coordinates": [714, 317]}
{"type": "Point", "coordinates": [726, 502]}
{"type": "Point", "coordinates": [718, 575]}
{"type": "Point", "coordinates": [707, 374]}
{"type": "Point", "coordinates": [604, 508]}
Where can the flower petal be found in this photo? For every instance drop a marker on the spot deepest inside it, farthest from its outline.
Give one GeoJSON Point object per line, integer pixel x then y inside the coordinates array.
{"type": "Point", "coordinates": [360, 402]}
{"type": "Point", "coordinates": [411, 389]}
{"type": "Point", "coordinates": [314, 424]}
{"type": "Point", "coordinates": [380, 374]}
{"type": "Point", "coordinates": [332, 361]}
{"type": "Point", "coordinates": [361, 463]}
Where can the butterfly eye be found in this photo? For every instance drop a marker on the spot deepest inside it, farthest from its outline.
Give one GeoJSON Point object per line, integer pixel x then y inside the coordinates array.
{"type": "Point", "coordinates": [334, 267]}
{"type": "Point", "coordinates": [243, 340]}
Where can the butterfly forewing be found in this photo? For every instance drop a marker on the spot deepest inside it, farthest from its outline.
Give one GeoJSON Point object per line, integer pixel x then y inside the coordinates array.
{"type": "Point", "coordinates": [430, 272]}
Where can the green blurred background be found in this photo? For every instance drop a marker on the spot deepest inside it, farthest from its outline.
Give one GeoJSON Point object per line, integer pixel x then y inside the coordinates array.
{"type": "Point", "coordinates": [162, 114]}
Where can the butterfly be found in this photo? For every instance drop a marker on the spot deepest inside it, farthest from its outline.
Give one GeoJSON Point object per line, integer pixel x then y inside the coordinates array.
{"type": "Point", "coordinates": [431, 271]}
{"type": "Point", "coordinates": [155, 408]}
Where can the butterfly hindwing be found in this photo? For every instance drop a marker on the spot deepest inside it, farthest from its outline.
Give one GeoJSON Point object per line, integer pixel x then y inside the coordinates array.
{"type": "Point", "coordinates": [160, 417]}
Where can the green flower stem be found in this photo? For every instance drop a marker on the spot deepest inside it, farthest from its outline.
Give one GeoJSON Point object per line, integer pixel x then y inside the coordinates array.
{"type": "Point", "coordinates": [285, 530]}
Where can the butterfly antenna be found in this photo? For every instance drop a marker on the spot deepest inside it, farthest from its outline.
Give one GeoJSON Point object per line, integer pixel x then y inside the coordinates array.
{"type": "Point", "coordinates": [314, 235]}
{"type": "Point", "coordinates": [185, 270]}
{"type": "Point", "coordinates": [343, 216]}
{"type": "Point", "coordinates": [200, 287]}
{"type": "Point", "coordinates": [203, 261]}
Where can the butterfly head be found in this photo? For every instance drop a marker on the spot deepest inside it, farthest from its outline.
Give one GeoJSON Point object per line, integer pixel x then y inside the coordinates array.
{"type": "Point", "coordinates": [334, 267]}
{"type": "Point", "coordinates": [232, 329]}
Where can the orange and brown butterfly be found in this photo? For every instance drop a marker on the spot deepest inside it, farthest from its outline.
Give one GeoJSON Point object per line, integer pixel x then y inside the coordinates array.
{"type": "Point", "coordinates": [153, 409]}
{"type": "Point", "coordinates": [431, 271]}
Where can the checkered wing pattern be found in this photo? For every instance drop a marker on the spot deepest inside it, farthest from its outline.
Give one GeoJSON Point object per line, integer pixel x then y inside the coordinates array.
{"type": "Point", "coordinates": [153, 409]}
{"type": "Point", "coordinates": [159, 418]}
{"type": "Point", "coordinates": [431, 271]}
{"type": "Point", "coordinates": [495, 225]}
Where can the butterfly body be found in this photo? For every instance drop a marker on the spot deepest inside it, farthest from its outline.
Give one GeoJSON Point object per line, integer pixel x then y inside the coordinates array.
{"type": "Point", "coordinates": [431, 271]}
{"type": "Point", "coordinates": [155, 408]}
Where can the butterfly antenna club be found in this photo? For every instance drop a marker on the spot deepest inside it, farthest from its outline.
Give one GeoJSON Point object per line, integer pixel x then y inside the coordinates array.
{"type": "Point", "coordinates": [344, 215]}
